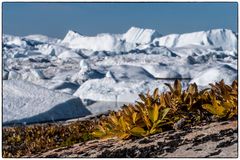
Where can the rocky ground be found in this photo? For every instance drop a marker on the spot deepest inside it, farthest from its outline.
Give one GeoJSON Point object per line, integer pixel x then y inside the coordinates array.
{"type": "Point", "coordinates": [218, 139]}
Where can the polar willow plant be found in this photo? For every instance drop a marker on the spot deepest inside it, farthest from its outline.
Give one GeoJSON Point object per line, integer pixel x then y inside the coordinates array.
{"type": "Point", "coordinates": [223, 100]}
{"type": "Point", "coordinates": [158, 112]}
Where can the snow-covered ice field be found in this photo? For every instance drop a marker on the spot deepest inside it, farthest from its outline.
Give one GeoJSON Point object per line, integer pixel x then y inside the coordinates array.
{"type": "Point", "coordinates": [49, 79]}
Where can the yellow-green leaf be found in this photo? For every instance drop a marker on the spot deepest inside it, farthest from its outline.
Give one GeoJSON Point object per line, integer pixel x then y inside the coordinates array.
{"type": "Point", "coordinates": [138, 131]}
{"type": "Point", "coordinates": [142, 97]}
{"type": "Point", "coordinates": [155, 113]}
{"type": "Point", "coordinates": [155, 93]}
{"type": "Point", "coordinates": [167, 99]}
{"type": "Point", "coordinates": [153, 130]}
{"type": "Point", "coordinates": [123, 124]}
{"type": "Point", "coordinates": [217, 110]}
{"type": "Point", "coordinates": [134, 117]}
{"type": "Point", "coordinates": [98, 134]}
{"type": "Point", "coordinates": [227, 105]}
{"type": "Point", "coordinates": [100, 128]}
{"type": "Point", "coordinates": [122, 135]}
{"type": "Point", "coordinates": [162, 100]}
{"type": "Point", "coordinates": [169, 86]}
{"type": "Point", "coordinates": [232, 114]}
{"type": "Point", "coordinates": [114, 119]}
{"type": "Point", "coordinates": [148, 101]}
{"type": "Point", "coordinates": [164, 113]}
{"type": "Point", "coordinates": [146, 120]}
{"type": "Point", "coordinates": [178, 87]}
{"type": "Point", "coordinates": [191, 89]}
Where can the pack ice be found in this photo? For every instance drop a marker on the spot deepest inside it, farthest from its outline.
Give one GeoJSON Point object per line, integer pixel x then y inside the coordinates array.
{"type": "Point", "coordinates": [48, 79]}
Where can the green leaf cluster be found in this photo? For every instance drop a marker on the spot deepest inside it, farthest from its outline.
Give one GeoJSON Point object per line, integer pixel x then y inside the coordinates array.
{"type": "Point", "coordinates": [159, 112]}
{"type": "Point", "coordinates": [222, 100]}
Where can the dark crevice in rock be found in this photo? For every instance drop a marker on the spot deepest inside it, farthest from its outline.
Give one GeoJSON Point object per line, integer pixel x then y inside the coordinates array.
{"type": "Point", "coordinates": [64, 148]}
{"type": "Point", "coordinates": [224, 123]}
{"type": "Point", "coordinates": [226, 144]}
{"type": "Point", "coordinates": [213, 137]}
{"type": "Point", "coordinates": [198, 149]}
{"type": "Point", "coordinates": [54, 155]}
{"type": "Point", "coordinates": [145, 140]}
{"type": "Point", "coordinates": [177, 135]}
{"type": "Point", "coordinates": [148, 151]}
{"type": "Point", "coordinates": [214, 153]}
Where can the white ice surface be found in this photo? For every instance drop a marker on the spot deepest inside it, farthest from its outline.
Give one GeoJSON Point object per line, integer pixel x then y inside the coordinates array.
{"type": "Point", "coordinates": [42, 38]}
{"type": "Point", "coordinates": [113, 68]}
{"type": "Point", "coordinates": [216, 38]}
{"type": "Point", "coordinates": [107, 89]}
{"type": "Point", "coordinates": [214, 74]}
{"type": "Point", "coordinates": [140, 36]}
{"type": "Point", "coordinates": [24, 102]}
{"type": "Point", "coordinates": [68, 54]}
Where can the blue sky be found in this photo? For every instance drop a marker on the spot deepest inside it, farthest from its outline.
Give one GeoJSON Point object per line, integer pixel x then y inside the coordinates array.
{"type": "Point", "coordinates": [55, 19]}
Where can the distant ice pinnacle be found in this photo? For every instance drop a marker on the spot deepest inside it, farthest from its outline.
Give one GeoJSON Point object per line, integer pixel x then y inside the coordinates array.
{"type": "Point", "coordinates": [109, 74]}
{"type": "Point", "coordinates": [84, 65]}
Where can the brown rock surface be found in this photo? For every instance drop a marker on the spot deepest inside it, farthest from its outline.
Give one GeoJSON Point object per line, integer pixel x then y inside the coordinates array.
{"type": "Point", "coordinates": [218, 139]}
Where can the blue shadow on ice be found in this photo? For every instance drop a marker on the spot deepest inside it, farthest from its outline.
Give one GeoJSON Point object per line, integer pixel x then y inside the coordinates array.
{"type": "Point", "coordinates": [70, 109]}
